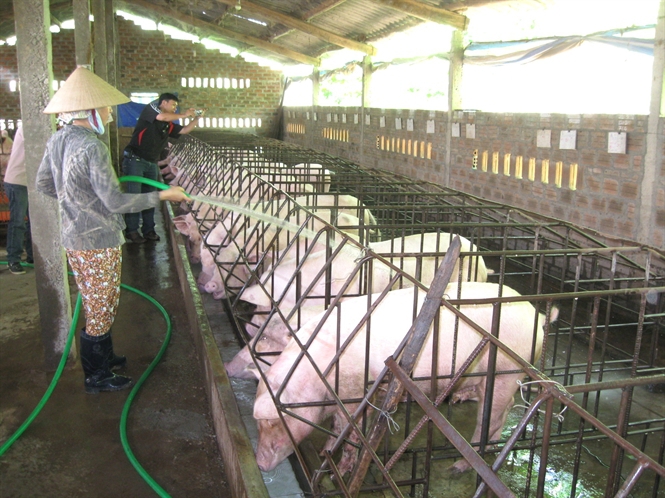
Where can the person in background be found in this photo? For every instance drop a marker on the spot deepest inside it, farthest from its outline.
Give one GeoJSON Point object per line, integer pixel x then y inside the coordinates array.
{"type": "Point", "coordinates": [76, 169]}
{"type": "Point", "coordinates": [6, 144]}
{"type": "Point", "coordinates": [16, 188]}
{"type": "Point", "coordinates": [155, 125]}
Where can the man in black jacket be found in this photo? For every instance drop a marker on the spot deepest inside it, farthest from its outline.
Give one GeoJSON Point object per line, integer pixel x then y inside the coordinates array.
{"type": "Point", "coordinates": [151, 134]}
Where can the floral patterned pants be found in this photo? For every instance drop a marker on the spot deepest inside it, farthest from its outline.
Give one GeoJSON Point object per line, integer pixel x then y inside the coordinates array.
{"type": "Point", "coordinates": [97, 275]}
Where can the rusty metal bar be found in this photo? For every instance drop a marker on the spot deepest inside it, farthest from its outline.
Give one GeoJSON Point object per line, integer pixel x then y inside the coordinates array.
{"type": "Point", "coordinates": [467, 451]}
{"type": "Point", "coordinates": [612, 435]}
{"type": "Point", "coordinates": [608, 276]}
{"type": "Point", "coordinates": [418, 332]}
{"type": "Point", "coordinates": [531, 411]}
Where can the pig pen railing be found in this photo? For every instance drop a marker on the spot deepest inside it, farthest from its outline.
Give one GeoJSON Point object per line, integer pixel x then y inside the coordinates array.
{"type": "Point", "coordinates": [610, 320]}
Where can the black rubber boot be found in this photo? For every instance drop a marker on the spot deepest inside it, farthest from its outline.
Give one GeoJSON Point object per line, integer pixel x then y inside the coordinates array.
{"type": "Point", "coordinates": [116, 361]}
{"type": "Point", "coordinates": [95, 355]}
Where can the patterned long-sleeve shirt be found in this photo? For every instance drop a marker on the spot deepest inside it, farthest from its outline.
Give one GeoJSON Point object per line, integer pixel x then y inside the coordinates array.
{"type": "Point", "coordinates": [76, 169]}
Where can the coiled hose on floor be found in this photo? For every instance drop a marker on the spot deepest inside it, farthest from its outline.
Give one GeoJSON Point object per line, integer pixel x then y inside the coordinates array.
{"type": "Point", "coordinates": [125, 411]}
{"type": "Point", "coordinates": [65, 354]}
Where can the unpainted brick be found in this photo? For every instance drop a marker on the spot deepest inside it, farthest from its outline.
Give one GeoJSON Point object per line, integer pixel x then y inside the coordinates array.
{"type": "Point", "coordinates": [610, 187]}
{"type": "Point", "coordinates": [629, 190]}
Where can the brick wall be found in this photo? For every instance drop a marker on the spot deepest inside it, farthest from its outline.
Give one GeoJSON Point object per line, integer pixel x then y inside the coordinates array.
{"type": "Point", "coordinates": [585, 185]}
{"type": "Point", "coordinates": [153, 62]}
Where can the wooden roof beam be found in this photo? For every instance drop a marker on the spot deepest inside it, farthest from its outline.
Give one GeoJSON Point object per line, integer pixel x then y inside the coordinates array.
{"type": "Point", "coordinates": [305, 27]}
{"type": "Point", "coordinates": [227, 33]}
{"type": "Point", "coordinates": [427, 12]}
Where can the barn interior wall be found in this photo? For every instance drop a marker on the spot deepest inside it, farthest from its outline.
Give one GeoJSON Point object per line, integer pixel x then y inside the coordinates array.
{"type": "Point", "coordinates": [585, 185]}
{"type": "Point", "coordinates": [153, 62]}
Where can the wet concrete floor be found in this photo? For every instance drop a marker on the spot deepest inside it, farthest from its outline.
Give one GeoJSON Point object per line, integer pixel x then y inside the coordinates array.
{"type": "Point", "coordinates": [73, 447]}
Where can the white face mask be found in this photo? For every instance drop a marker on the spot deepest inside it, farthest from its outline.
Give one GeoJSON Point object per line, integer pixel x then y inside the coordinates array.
{"type": "Point", "coordinates": [95, 121]}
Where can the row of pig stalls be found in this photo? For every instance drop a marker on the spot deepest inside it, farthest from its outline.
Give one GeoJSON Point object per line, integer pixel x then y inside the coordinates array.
{"type": "Point", "coordinates": [541, 373]}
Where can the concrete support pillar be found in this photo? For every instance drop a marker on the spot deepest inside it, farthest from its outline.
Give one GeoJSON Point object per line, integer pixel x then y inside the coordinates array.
{"type": "Point", "coordinates": [82, 33]}
{"type": "Point", "coordinates": [99, 51]}
{"type": "Point", "coordinates": [33, 49]}
{"type": "Point", "coordinates": [113, 78]}
{"type": "Point", "coordinates": [316, 86]}
{"type": "Point", "coordinates": [367, 82]}
{"type": "Point", "coordinates": [365, 101]}
{"type": "Point", "coordinates": [647, 210]}
{"type": "Point", "coordinates": [456, 60]}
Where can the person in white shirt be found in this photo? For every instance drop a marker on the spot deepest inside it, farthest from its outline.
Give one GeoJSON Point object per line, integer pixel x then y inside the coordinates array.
{"type": "Point", "coordinates": [18, 229]}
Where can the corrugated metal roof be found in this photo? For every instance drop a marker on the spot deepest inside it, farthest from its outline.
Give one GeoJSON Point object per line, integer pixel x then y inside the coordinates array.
{"type": "Point", "coordinates": [256, 26]}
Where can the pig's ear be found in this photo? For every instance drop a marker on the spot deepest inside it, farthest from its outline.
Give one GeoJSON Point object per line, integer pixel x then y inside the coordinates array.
{"type": "Point", "coordinates": [256, 295]}
{"type": "Point", "coordinates": [181, 224]}
{"type": "Point", "coordinates": [264, 407]}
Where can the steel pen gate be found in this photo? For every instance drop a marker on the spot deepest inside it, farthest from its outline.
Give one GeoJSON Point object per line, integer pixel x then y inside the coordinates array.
{"type": "Point", "coordinates": [592, 414]}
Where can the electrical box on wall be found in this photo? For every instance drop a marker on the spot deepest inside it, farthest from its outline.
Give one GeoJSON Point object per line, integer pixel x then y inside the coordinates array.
{"type": "Point", "coordinates": [470, 130]}
{"type": "Point", "coordinates": [455, 132]}
{"type": "Point", "coordinates": [568, 139]}
{"type": "Point", "coordinates": [544, 139]}
{"type": "Point", "coordinates": [616, 142]}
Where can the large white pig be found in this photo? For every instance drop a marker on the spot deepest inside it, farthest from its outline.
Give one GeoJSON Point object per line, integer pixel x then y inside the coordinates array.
{"type": "Point", "coordinates": [235, 270]}
{"type": "Point", "coordinates": [422, 256]}
{"type": "Point", "coordinates": [233, 222]}
{"type": "Point", "coordinates": [314, 174]}
{"type": "Point", "coordinates": [271, 341]}
{"type": "Point", "coordinates": [521, 329]}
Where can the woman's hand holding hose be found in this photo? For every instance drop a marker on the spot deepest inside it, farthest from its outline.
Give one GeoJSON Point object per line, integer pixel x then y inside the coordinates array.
{"type": "Point", "coordinates": [175, 194]}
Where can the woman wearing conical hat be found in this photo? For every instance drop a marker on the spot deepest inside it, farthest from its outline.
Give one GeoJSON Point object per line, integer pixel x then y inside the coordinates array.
{"type": "Point", "coordinates": [76, 169]}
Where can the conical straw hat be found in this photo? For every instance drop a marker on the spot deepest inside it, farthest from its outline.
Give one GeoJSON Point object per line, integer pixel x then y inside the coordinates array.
{"type": "Point", "coordinates": [84, 90]}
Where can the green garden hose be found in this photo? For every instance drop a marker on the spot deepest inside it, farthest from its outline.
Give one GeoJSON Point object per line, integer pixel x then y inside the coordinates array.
{"type": "Point", "coordinates": [125, 411]}
{"type": "Point", "coordinates": [51, 386]}
{"type": "Point", "coordinates": [139, 179]}
{"type": "Point", "coordinates": [153, 183]}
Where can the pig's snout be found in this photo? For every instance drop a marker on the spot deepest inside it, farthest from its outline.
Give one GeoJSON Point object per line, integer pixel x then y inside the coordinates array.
{"type": "Point", "coordinates": [211, 286]}
{"type": "Point", "coordinates": [273, 446]}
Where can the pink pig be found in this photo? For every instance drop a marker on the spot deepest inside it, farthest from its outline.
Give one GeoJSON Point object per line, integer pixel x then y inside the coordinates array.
{"type": "Point", "coordinates": [276, 286]}
{"type": "Point", "coordinates": [390, 322]}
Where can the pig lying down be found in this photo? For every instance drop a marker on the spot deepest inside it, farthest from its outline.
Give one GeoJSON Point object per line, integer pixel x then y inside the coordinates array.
{"type": "Point", "coordinates": [520, 328]}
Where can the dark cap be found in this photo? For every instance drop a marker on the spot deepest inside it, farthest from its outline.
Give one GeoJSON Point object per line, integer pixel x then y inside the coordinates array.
{"type": "Point", "coordinates": [168, 96]}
